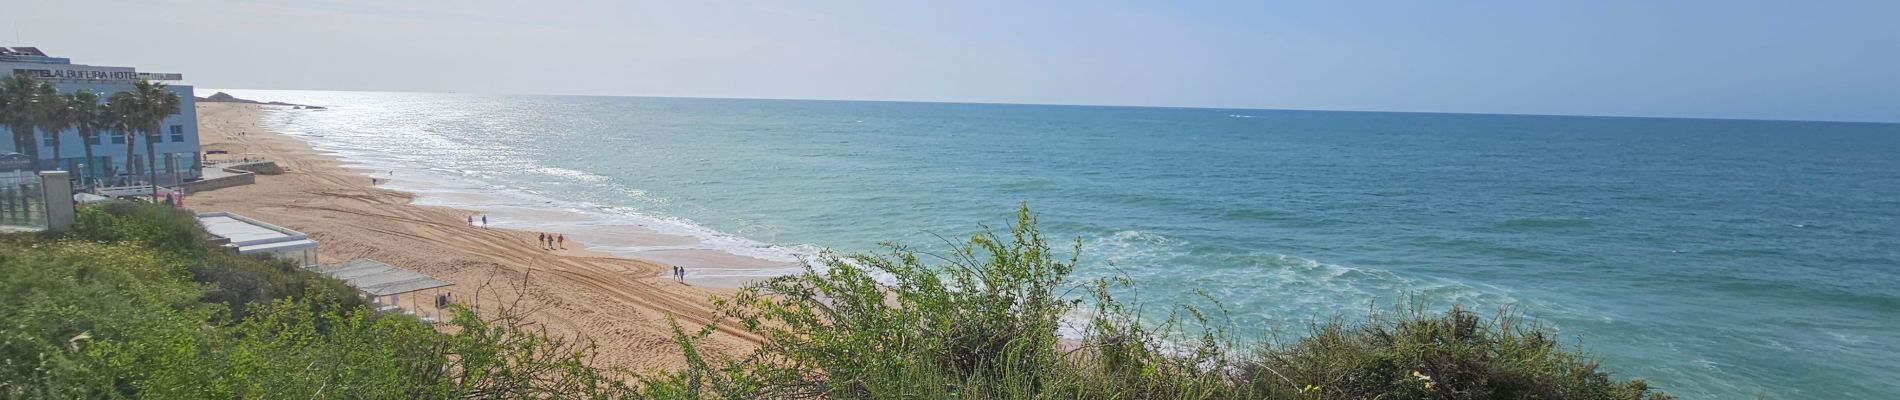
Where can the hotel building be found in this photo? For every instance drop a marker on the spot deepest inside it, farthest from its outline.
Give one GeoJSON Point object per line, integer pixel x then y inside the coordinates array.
{"type": "Point", "coordinates": [176, 145]}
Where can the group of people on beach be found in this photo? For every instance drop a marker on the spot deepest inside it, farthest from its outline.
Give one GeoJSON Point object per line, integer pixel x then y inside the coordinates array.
{"type": "Point", "coordinates": [556, 241]}
{"type": "Point", "coordinates": [550, 240]}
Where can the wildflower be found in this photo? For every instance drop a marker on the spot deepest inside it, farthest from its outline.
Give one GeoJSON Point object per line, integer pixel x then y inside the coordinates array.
{"type": "Point", "coordinates": [1427, 379]}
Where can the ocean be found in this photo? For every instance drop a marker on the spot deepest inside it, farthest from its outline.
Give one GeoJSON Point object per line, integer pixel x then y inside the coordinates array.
{"type": "Point", "coordinates": [1717, 259]}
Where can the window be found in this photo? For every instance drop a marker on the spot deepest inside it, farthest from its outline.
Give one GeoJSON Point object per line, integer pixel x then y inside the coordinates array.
{"type": "Point", "coordinates": [46, 139]}
{"type": "Point", "coordinates": [178, 133]}
{"type": "Point", "coordinates": [118, 138]}
{"type": "Point", "coordinates": [93, 141]}
{"type": "Point", "coordinates": [156, 138]}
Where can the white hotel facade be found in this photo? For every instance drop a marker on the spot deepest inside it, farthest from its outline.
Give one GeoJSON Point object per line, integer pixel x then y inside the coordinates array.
{"type": "Point", "coordinates": [177, 143]}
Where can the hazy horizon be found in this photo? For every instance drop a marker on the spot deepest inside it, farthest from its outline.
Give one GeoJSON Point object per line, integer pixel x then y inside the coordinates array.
{"type": "Point", "coordinates": [1718, 60]}
{"type": "Point", "coordinates": [207, 91]}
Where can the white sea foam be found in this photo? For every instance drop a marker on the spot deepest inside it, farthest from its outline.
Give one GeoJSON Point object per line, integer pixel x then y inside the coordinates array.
{"type": "Point", "coordinates": [1279, 290]}
{"type": "Point", "coordinates": [711, 256]}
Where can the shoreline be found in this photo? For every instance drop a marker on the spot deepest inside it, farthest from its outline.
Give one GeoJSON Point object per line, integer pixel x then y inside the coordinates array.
{"type": "Point", "coordinates": [621, 303]}
{"type": "Point", "coordinates": [712, 257]}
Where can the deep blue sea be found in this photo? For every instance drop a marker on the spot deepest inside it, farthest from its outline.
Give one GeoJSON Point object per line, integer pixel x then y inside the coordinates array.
{"type": "Point", "coordinates": [1718, 259]}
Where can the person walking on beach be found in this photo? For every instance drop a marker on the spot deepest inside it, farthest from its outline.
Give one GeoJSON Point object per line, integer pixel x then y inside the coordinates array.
{"type": "Point", "coordinates": [562, 240]}
{"type": "Point", "coordinates": [543, 238]}
{"type": "Point", "coordinates": [484, 221]}
{"type": "Point", "coordinates": [471, 220]}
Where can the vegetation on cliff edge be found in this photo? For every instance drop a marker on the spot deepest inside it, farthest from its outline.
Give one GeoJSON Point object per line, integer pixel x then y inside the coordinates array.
{"type": "Point", "coordinates": [136, 304]}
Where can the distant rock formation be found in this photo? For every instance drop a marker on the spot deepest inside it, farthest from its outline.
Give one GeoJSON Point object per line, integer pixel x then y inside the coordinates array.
{"type": "Point", "coordinates": [222, 97]}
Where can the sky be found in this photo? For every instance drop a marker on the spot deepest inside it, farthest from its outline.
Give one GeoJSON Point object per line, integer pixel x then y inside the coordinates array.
{"type": "Point", "coordinates": [1816, 60]}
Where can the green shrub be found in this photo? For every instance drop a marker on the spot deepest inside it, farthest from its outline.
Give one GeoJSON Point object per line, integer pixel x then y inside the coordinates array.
{"type": "Point", "coordinates": [136, 305]}
{"type": "Point", "coordinates": [1453, 355]}
{"type": "Point", "coordinates": [237, 281]}
{"type": "Point", "coordinates": [990, 312]}
{"type": "Point", "coordinates": [158, 226]}
{"type": "Point", "coordinates": [72, 307]}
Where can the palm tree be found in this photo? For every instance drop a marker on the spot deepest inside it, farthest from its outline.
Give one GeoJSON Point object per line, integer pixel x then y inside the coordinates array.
{"type": "Point", "coordinates": [89, 117]}
{"type": "Point", "coordinates": [6, 106]}
{"type": "Point", "coordinates": [150, 104]}
{"type": "Point", "coordinates": [56, 115]}
{"type": "Point", "coordinates": [119, 109]}
{"type": "Point", "coordinates": [21, 113]}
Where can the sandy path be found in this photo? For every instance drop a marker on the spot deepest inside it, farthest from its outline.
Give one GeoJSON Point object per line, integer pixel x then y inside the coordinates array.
{"type": "Point", "coordinates": [622, 304]}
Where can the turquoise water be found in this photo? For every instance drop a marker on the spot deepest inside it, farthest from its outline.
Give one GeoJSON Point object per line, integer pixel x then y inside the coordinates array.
{"type": "Point", "coordinates": [1717, 259]}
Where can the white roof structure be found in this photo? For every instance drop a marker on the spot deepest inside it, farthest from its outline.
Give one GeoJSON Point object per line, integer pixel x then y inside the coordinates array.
{"type": "Point", "coordinates": [380, 279]}
{"type": "Point", "coordinates": [251, 236]}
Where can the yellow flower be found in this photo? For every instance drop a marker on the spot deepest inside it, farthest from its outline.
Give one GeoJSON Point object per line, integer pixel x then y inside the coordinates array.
{"type": "Point", "coordinates": [1427, 379]}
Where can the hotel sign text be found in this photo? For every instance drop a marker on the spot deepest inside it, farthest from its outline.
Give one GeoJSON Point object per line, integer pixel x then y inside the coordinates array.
{"type": "Point", "coordinates": [79, 74]}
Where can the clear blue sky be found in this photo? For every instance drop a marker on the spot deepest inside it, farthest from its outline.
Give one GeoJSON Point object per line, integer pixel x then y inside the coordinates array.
{"type": "Point", "coordinates": [1823, 60]}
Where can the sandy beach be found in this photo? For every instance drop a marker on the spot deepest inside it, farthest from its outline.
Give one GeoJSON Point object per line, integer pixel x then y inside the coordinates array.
{"type": "Point", "coordinates": [621, 304]}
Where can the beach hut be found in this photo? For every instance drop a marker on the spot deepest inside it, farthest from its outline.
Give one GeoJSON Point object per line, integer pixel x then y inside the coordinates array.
{"type": "Point", "coordinates": [384, 284]}
{"type": "Point", "coordinates": [250, 236]}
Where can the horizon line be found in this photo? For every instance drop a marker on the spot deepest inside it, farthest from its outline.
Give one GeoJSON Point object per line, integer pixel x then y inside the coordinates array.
{"type": "Point", "coordinates": [1874, 122]}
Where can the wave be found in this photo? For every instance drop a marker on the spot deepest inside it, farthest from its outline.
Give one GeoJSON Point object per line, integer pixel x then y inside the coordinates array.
{"type": "Point", "coordinates": [1267, 291]}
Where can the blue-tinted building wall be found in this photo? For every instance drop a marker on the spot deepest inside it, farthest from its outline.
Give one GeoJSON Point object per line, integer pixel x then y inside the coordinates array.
{"type": "Point", "coordinates": [177, 147]}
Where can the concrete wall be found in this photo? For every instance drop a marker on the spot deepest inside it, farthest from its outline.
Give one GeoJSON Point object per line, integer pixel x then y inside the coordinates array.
{"type": "Point", "coordinates": [57, 189]}
{"type": "Point", "coordinates": [237, 178]}
{"type": "Point", "coordinates": [260, 168]}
